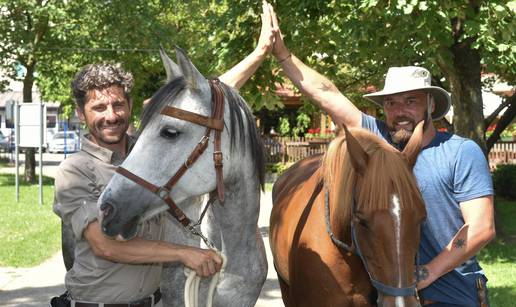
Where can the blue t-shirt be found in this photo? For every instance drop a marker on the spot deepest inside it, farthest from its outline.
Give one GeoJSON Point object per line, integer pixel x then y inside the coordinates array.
{"type": "Point", "coordinates": [449, 170]}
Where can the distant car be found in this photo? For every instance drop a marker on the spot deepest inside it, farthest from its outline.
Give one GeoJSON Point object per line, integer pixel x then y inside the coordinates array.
{"type": "Point", "coordinates": [57, 144]}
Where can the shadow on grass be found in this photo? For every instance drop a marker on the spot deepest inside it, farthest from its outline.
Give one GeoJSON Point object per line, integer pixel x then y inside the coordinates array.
{"type": "Point", "coordinates": [502, 296]}
{"type": "Point", "coordinates": [9, 179]}
{"type": "Point", "coordinates": [498, 251]}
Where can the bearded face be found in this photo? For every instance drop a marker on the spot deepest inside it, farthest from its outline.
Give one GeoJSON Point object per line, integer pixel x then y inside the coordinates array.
{"type": "Point", "coordinates": [403, 127]}
{"type": "Point", "coordinates": [403, 111]}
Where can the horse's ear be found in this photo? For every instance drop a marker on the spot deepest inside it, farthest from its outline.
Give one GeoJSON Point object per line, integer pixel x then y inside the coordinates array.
{"type": "Point", "coordinates": [193, 77]}
{"type": "Point", "coordinates": [359, 158]}
{"type": "Point", "coordinates": [171, 68]}
{"type": "Point", "coordinates": [413, 146]}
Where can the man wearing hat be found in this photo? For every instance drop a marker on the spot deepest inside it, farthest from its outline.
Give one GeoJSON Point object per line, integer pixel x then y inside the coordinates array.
{"type": "Point", "coordinates": [451, 171]}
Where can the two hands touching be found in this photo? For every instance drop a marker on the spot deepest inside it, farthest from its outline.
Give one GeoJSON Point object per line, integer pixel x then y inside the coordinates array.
{"type": "Point", "coordinates": [271, 39]}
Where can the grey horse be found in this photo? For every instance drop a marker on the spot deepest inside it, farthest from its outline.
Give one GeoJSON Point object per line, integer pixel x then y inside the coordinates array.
{"type": "Point", "coordinates": [163, 145]}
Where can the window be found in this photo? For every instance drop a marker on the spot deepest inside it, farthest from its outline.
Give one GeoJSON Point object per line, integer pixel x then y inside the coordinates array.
{"type": "Point", "coordinates": [51, 121]}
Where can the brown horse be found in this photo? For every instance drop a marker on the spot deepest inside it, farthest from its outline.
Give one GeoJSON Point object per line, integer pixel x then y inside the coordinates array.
{"type": "Point", "coordinates": [347, 223]}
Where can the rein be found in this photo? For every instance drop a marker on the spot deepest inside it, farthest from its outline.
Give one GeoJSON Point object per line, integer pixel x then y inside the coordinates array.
{"type": "Point", "coordinates": [216, 123]}
{"type": "Point", "coordinates": [355, 248]}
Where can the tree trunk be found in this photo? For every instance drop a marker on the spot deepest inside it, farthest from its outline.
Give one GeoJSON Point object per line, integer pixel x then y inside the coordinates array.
{"type": "Point", "coordinates": [504, 121]}
{"type": "Point", "coordinates": [466, 88]}
{"type": "Point", "coordinates": [30, 160]}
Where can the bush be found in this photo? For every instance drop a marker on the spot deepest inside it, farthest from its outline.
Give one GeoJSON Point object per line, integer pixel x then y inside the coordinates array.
{"type": "Point", "coordinates": [504, 180]}
{"type": "Point", "coordinates": [277, 168]}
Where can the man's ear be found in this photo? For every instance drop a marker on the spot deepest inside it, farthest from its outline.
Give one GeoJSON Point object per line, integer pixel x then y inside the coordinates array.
{"type": "Point", "coordinates": [80, 114]}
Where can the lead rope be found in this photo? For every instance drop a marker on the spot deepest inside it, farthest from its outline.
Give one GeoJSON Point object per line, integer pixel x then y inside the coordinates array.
{"type": "Point", "coordinates": [193, 281]}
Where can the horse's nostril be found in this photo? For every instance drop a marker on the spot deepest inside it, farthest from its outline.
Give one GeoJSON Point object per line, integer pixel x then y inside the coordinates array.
{"type": "Point", "coordinates": [106, 209]}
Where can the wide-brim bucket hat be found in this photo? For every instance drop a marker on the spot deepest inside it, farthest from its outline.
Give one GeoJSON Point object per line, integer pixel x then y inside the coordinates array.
{"type": "Point", "coordinates": [411, 78]}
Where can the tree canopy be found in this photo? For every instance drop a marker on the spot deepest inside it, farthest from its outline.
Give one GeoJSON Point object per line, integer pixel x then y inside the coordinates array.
{"type": "Point", "coordinates": [351, 42]}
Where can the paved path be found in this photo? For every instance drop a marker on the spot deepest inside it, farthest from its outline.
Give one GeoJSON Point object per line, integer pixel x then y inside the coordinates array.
{"type": "Point", "coordinates": [33, 287]}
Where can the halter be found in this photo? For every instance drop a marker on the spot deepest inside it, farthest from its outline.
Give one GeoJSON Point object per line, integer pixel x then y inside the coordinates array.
{"type": "Point", "coordinates": [216, 123]}
{"type": "Point", "coordinates": [355, 248]}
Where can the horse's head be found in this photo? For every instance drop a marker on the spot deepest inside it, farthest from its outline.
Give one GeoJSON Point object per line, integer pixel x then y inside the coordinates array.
{"type": "Point", "coordinates": [183, 134]}
{"type": "Point", "coordinates": [383, 205]}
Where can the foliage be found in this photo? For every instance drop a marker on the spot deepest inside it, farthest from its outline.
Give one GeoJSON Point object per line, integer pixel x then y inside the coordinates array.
{"type": "Point", "coordinates": [29, 233]}
{"type": "Point", "coordinates": [317, 133]}
{"type": "Point", "coordinates": [56, 37]}
{"type": "Point", "coordinates": [302, 123]}
{"type": "Point", "coordinates": [284, 126]}
{"type": "Point", "coordinates": [451, 38]}
{"type": "Point", "coordinates": [277, 168]}
{"type": "Point", "coordinates": [504, 180]}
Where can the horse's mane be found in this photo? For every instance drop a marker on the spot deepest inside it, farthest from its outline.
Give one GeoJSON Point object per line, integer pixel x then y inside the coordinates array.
{"type": "Point", "coordinates": [240, 114]}
{"type": "Point", "coordinates": [387, 171]}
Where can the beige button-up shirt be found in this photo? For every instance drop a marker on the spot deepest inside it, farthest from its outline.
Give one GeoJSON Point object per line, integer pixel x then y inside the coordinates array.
{"type": "Point", "coordinates": [79, 181]}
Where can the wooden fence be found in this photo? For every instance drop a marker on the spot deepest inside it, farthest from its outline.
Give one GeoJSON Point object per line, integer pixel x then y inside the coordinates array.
{"type": "Point", "coordinates": [502, 153]}
{"type": "Point", "coordinates": [288, 150]}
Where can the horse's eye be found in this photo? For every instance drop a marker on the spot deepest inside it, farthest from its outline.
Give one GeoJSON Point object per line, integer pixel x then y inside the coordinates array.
{"type": "Point", "coordinates": [169, 133]}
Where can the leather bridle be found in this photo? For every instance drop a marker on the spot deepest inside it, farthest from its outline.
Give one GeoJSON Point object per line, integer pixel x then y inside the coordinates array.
{"type": "Point", "coordinates": [216, 123]}
{"type": "Point", "coordinates": [355, 248]}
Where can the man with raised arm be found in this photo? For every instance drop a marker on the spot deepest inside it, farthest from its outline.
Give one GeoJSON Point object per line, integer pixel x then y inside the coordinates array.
{"type": "Point", "coordinates": [111, 272]}
{"type": "Point", "coordinates": [451, 171]}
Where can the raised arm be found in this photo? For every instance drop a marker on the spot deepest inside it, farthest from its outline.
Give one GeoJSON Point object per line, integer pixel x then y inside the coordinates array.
{"type": "Point", "coordinates": [240, 73]}
{"type": "Point", "coordinates": [314, 85]}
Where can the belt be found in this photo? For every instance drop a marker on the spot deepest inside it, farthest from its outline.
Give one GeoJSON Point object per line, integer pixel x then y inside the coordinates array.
{"type": "Point", "coordinates": [144, 302]}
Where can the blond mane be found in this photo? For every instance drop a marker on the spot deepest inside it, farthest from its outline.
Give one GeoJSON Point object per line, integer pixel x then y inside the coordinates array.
{"type": "Point", "coordinates": [387, 172]}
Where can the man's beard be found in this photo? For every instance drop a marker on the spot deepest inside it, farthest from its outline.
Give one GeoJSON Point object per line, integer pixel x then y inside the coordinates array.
{"type": "Point", "coordinates": [401, 136]}
{"type": "Point", "coordinates": [109, 139]}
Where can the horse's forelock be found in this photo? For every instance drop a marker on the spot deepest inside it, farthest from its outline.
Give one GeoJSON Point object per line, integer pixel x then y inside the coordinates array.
{"type": "Point", "coordinates": [160, 99]}
{"type": "Point", "coordinates": [387, 172]}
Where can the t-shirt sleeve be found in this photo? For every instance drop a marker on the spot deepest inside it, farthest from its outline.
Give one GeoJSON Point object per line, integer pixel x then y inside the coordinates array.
{"type": "Point", "coordinates": [75, 199]}
{"type": "Point", "coordinates": [471, 174]}
{"type": "Point", "coordinates": [375, 125]}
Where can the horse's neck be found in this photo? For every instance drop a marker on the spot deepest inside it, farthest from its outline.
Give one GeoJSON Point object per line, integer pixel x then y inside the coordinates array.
{"type": "Point", "coordinates": [242, 198]}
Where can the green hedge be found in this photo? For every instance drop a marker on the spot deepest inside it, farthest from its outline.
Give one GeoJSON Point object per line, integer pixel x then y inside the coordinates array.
{"type": "Point", "coordinates": [504, 180]}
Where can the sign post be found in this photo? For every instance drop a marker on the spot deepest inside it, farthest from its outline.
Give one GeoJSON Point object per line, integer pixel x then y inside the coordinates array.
{"type": "Point", "coordinates": [17, 149]}
{"type": "Point", "coordinates": [30, 132]}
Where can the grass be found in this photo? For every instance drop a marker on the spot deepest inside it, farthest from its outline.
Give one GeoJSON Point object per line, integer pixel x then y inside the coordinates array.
{"type": "Point", "coordinates": [29, 233]}
{"type": "Point", "coordinates": [498, 259]}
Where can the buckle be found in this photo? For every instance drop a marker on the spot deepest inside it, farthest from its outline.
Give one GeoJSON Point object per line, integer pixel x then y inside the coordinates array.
{"type": "Point", "coordinates": [196, 230]}
{"type": "Point", "coordinates": [217, 158]}
{"type": "Point", "coordinates": [162, 193]}
{"type": "Point", "coordinates": [204, 139]}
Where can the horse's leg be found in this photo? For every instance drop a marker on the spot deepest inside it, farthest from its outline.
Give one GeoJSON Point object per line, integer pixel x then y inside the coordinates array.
{"type": "Point", "coordinates": [285, 292]}
{"type": "Point", "coordinates": [242, 243]}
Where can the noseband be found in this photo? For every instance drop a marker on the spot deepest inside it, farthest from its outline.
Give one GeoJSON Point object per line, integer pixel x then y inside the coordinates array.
{"type": "Point", "coordinates": [216, 123]}
{"type": "Point", "coordinates": [355, 248]}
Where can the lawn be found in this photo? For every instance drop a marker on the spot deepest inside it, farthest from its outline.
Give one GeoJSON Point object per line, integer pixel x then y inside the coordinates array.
{"type": "Point", "coordinates": [499, 258]}
{"type": "Point", "coordinates": [29, 232]}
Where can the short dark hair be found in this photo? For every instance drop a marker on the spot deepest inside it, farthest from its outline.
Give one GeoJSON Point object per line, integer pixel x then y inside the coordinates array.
{"type": "Point", "coordinates": [100, 76]}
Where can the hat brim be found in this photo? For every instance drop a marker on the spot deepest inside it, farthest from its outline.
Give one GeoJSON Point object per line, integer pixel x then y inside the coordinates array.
{"type": "Point", "coordinates": [442, 99]}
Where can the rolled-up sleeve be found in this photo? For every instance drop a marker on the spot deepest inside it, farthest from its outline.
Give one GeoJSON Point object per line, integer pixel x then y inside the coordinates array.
{"type": "Point", "coordinates": [75, 199]}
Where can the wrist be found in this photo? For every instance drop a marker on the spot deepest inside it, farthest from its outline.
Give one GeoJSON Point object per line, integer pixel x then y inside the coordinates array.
{"type": "Point", "coordinates": [281, 53]}
{"type": "Point", "coordinates": [281, 60]}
